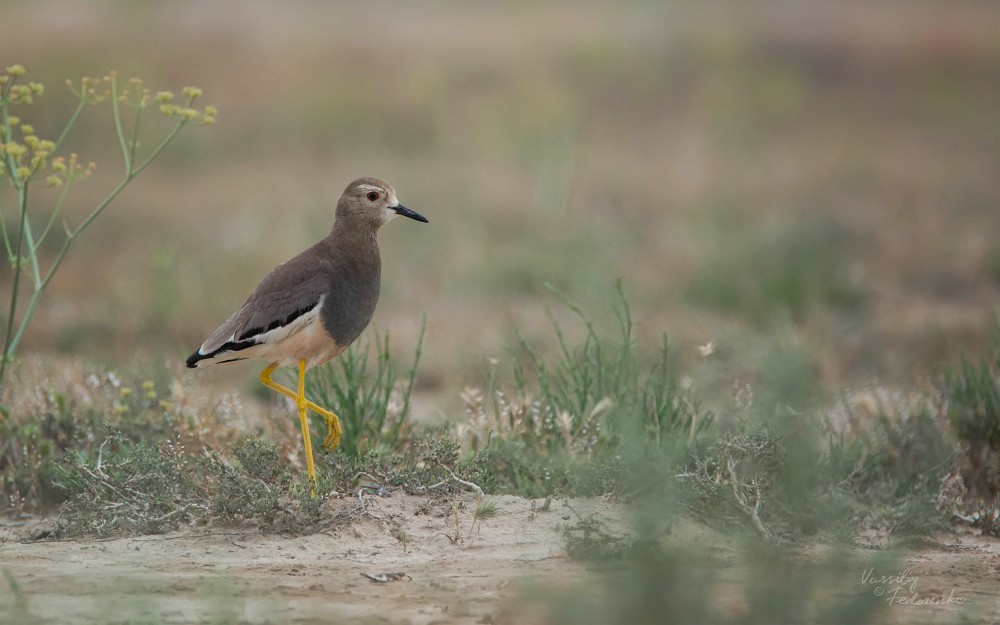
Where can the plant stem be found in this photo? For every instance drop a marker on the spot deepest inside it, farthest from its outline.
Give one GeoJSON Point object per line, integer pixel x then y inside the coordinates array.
{"type": "Point", "coordinates": [6, 237]}
{"type": "Point", "coordinates": [22, 201]}
{"type": "Point", "coordinates": [122, 141]}
{"type": "Point", "coordinates": [135, 131]}
{"type": "Point", "coordinates": [52, 218]}
{"type": "Point", "coordinates": [72, 120]}
{"type": "Point", "coordinates": [35, 271]}
{"type": "Point", "coordinates": [11, 167]}
{"type": "Point", "coordinates": [93, 214]}
{"type": "Point", "coordinates": [163, 144]}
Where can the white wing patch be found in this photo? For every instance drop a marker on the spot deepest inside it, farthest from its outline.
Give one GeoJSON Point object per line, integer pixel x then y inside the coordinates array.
{"type": "Point", "coordinates": [285, 344]}
{"type": "Point", "coordinates": [279, 334]}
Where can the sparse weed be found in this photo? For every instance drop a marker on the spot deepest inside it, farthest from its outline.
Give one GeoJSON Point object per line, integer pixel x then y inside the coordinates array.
{"type": "Point", "coordinates": [74, 415]}
{"type": "Point", "coordinates": [737, 479]}
{"type": "Point", "coordinates": [129, 488]}
{"type": "Point", "coordinates": [564, 426]}
{"type": "Point", "coordinates": [486, 510]}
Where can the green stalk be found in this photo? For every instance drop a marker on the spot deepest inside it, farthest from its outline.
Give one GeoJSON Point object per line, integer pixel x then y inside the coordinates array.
{"type": "Point", "coordinates": [121, 185]}
{"type": "Point", "coordinates": [70, 234]}
{"type": "Point", "coordinates": [14, 261]}
{"type": "Point", "coordinates": [72, 120]}
{"type": "Point", "coordinates": [135, 129]}
{"type": "Point", "coordinates": [126, 154]}
{"type": "Point", "coordinates": [10, 164]}
{"type": "Point", "coordinates": [52, 218]}
{"type": "Point", "coordinates": [35, 271]}
{"type": "Point", "coordinates": [163, 144]}
{"type": "Point", "coordinates": [25, 236]}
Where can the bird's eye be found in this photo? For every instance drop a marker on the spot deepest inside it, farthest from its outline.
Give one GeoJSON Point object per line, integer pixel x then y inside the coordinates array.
{"type": "Point", "coordinates": [372, 196]}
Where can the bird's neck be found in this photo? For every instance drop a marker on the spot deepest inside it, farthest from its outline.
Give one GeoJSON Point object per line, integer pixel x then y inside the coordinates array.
{"type": "Point", "coordinates": [355, 249]}
{"type": "Point", "coordinates": [353, 233]}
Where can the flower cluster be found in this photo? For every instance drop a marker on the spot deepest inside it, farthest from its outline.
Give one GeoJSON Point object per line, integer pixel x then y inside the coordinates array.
{"type": "Point", "coordinates": [25, 94]}
{"type": "Point", "coordinates": [22, 152]}
{"type": "Point", "coordinates": [30, 155]}
{"type": "Point", "coordinates": [93, 90]}
{"type": "Point", "coordinates": [186, 113]}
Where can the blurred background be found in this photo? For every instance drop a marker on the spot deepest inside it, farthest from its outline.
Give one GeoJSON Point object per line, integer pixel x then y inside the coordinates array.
{"type": "Point", "coordinates": [812, 186]}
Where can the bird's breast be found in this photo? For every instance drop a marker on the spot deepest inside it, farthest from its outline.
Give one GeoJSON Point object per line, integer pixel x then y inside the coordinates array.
{"type": "Point", "coordinates": [351, 301]}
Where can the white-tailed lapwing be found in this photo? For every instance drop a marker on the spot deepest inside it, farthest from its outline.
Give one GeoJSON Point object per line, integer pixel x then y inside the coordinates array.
{"type": "Point", "coordinates": [310, 309]}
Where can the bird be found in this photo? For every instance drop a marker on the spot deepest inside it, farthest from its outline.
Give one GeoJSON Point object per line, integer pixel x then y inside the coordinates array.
{"type": "Point", "coordinates": [309, 309]}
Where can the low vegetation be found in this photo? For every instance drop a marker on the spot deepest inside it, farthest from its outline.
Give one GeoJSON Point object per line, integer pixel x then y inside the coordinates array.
{"type": "Point", "coordinates": [603, 417]}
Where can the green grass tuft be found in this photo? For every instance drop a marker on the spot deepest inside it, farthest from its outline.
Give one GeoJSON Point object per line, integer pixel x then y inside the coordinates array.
{"type": "Point", "coordinates": [971, 393]}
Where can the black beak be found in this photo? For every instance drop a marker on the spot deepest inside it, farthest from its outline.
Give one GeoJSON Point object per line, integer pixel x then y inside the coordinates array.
{"type": "Point", "coordinates": [405, 212]}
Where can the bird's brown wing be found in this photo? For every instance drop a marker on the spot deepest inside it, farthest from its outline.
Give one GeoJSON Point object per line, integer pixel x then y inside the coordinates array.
{"type": "Point", "coordinates": [291, 290]}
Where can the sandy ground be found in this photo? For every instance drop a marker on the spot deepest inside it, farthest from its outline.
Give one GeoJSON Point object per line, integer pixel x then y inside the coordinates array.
{"type": "Point", "coordinates": [218, 575]}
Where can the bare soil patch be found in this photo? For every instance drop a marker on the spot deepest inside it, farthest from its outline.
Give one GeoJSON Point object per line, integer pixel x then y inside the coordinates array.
{"type": "Point", "coordinates": [425, 568]}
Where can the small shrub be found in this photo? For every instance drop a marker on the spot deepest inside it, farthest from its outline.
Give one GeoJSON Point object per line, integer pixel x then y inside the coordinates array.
{"type": "Point", "coordinates": [252, 483]}
{"type": "Point", "coordinates": [38, 429]}
{"type": "Point", "coordinates": [128, 488]}
{"type": "Point", "coordinates": [590, 540]}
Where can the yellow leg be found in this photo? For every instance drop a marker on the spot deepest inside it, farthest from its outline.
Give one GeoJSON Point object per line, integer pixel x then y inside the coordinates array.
{"type": "Point", "coordinates": [302, 405]}
{"type": "Point", "coordinates": [333, 429]}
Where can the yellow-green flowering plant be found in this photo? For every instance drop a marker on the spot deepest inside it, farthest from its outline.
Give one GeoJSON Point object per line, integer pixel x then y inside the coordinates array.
{"type": "Point", "coordinates": [27, 160]}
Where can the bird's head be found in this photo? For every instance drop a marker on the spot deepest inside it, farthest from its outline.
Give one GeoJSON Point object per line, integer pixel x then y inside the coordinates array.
{"type": "Point", "coordinates": [372, 200]}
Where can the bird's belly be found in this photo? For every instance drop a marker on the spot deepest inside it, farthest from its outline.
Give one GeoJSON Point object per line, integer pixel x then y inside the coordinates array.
{"type": "Point", "coordinates": [310, 343]}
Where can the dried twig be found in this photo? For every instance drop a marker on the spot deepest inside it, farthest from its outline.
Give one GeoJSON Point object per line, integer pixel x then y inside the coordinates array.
{"type": "Point", "coordinates": [102, 481]}
{"type": "Point", "coordinates": [384, 578]}
{"type": "Point", "coordinates": [750, 511]}
{"type": "Point", "coordinates": [100, 458]}
{"type": "Point", "coordinates": [479, 492]}
{"type": "Point", "coordinates": [171, 515]}
{"type": "Point", "coordinates": [361, 501]}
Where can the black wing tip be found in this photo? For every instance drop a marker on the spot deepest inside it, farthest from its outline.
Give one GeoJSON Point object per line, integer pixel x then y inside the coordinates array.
{"type": "Point", "coordinates": [231, 346]}
{"type": "Point", "coordinates": [193, 359]}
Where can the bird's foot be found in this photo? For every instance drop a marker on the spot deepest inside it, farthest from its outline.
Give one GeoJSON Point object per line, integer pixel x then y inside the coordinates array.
{"type": "Point", "coordinates": [333, 433]}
